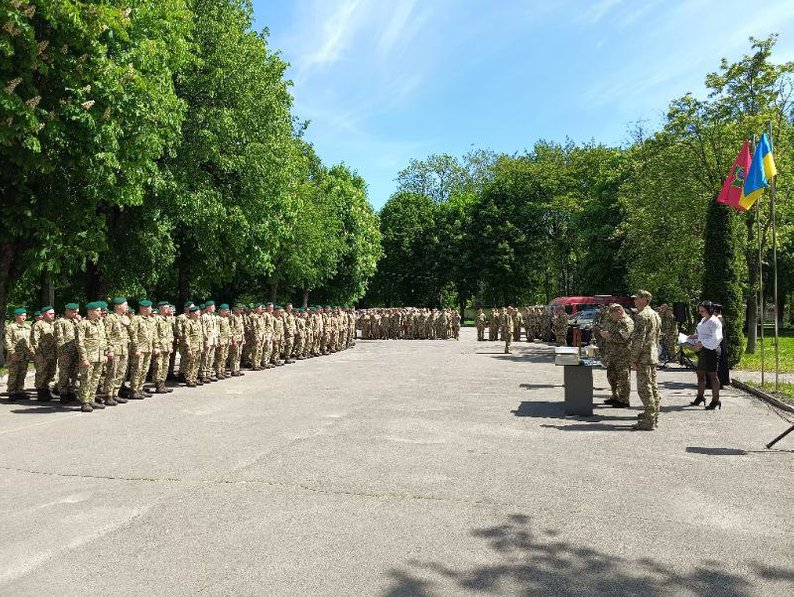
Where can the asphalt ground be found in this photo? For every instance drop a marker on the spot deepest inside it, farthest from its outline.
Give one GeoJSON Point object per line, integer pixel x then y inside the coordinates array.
{"type": "Point", "coordinates": [396, 468]}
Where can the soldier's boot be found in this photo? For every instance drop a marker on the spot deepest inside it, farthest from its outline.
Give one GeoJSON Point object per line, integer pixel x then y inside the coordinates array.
{"type": "Point", "coordinates": [120, 400]}
{"type": "Point", "coordinates": [136, 395]}
{"type": "Point", "coordinates": [97, 404]}
{"type": "Point", "coordinates": [147, 393]}
{"type": "Point", "coordinates": [110, 401]}
{"type": "Point", "coordinates": [43, 395]}
{"type": "Point", "coordinates": [86, 408]}
{"type": "Point", "coordinates": [190, 384]}
{"type": "Point", "coordinates": [159, 388]}
{"type": "Point", "coordinates": [124, 391]}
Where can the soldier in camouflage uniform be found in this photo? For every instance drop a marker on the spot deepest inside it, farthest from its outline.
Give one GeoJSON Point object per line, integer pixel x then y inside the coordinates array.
{"type": "Point", "coordinates": [210, 325]}
{"type": "Point", "coordinates": [560, 327]}
{"type": "Point", "coordinates": [278, 336]}
{"type": "Point", "coordinates": [118, 339]}
{"type": "Point", "coordinates": [91, 349]}
{"type": "Point", "coordinates": [300, 333]}
{"type": "Point", "coordinates": [480, 322]}
{"type": "Point", "coordinates": [616, 335]}
{"type": "Point", "coordinates": [142, 331]}
{"type": "Point", "coordinates": [163, 343]}
{"type": "Point", "coordinates": [645, 357]}
{"type": "Point", "coordinates": [493, 330]}
{"type": "Point", "coordinates": [179, 326]}
{"type": "Point", "coordinates": [68, 363]}
{"type": "Point", "coordinates": [224, 338]}
{"type": "Point", "coordinates": [17, 346]}
{"type": "Point", "coordinates": [44, 348]}
{"type": "Point", "coordinates": [669, 332]}
{"type": "Point", "coordinates": [506, 327]}
{"type": "Point", "coordinates": [192, 346]}
{"type": "Point", "coordinates": [236, 340]}
{"type": "Point", "coordinates": [267, 329]}
{"type": "Point", "coordinates": [290, 329]}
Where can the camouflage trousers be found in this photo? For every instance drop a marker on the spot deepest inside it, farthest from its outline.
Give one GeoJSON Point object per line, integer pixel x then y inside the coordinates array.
{"type": "Point", "coordinates": [89, 381]}
{"type": "Point", "coordinates": [561, 335]}
{"type": "Point", "coordinates": [160, 366]}
{"type": "Point", "coordinates": [235, 355]}
{"type": "Point", "coordinates": [508, 341]}
{"type": "Point", "coordinates": [207, 362]}
{"type": "Point", "coordinates": [257, 351]}
{"type": "Point", "coordinates": [247, 351]}
{"type": "Point", "coordinates": [277, 347]}
{"type": "Point", "coordinates": [289, 344]}
{"type": "Point", "coordinates": [45, 370]}
{"type": "Point", "coordinates": [619, 377]}
{"type": "Point", "coordinates": [139, 369]}
{"type": "Point", "coordinates": [266, 354]}
{"type": "Point", "coordinates": [493, 334]}
{"type": "Point", "coordinates": [17, 369]}
{"type": "Point", "coordinates": [190, 364]}
{"type": "Point", "coordinates": [480, 333]}
{"type": "Point", "coordinates": [115, 374]}
{"type": "Point", "coordinates": [649, 394]}
{"type": "Point", "coordinates": [68, 370]}
{"type": "Point", "coordinates": [221, 356]}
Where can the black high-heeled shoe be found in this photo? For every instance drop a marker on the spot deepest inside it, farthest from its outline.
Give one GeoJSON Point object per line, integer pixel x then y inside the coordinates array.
{"type": "Point", "coordinates": [698, 400]}
{"type": "Point", "coordinates": [714, 404]}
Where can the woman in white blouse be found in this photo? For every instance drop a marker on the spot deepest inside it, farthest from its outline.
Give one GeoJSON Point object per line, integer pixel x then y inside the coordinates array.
{"type": "Point", "coordinates": [709, 338]}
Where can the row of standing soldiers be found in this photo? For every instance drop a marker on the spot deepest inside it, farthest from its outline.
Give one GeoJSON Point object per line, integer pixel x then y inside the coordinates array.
{"type": "Point", "coordinates": [538, 322]}
{"type": "Point", "coordinates": [98, 353]}
{"type": "Point", "coordinates": [409, 323]}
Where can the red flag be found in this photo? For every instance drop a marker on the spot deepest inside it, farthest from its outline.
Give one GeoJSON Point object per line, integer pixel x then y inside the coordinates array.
{"type": "Point", "coordinates": [733, 189]}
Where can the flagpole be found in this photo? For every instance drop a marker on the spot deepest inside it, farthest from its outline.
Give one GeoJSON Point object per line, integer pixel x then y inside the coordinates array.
{"type": "Point", "coordinates": [773, 188]}
{"type": "Point", "coordinates": [761, 309]}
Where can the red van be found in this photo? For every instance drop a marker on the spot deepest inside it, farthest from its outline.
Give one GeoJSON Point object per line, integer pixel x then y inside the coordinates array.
{"type": "Point", "coordinates": [575, 304]}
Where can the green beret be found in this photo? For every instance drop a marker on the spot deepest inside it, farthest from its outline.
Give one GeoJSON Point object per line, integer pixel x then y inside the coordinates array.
{"type": "Point", "coordinates": [224, 306]}
{"type": "Point", "coordinates": [45, 309]}
{"type": "Point", "coordinates": [194, 308]}
{"type": "Point", "coordinates": [188, 304]}
{"type": "Point", "coordinates": [156, 311]}
{"type": "Point", "coordinates": [72, 306]}
{"type": "Point", "coordinates": [119, 300]}
{"type": "Point", "coordinates": [102, 305]}
{"type": "Point", "coordinates": [162, 304]}
{"type": "Point", "coordinates": [209, 303]}
{"type": "Point", "coordinates": [93, 305]}
{"type": "Point", "coordinates": [20, 311]}
{"type": "Point", "coordinates": [130, 310]}
{"type": "Point", "coordinates": [36, 313]}
{"type": "Point", "coordinates": [145, 303]}
{"type": "Point", "coordinates": [239, 306]}
{"type": "Point", "coordinates": [270, 305]}
{"type": "Point", "coordinates": [279, 307]}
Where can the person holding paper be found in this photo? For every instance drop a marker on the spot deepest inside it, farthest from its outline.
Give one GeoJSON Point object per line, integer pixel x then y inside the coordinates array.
{"type": "Point", "coordinates": [707, 345]}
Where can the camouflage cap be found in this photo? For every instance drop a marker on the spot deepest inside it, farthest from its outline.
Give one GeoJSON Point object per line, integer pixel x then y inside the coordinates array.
{"type": "Point", "coordinates": [643, 294]}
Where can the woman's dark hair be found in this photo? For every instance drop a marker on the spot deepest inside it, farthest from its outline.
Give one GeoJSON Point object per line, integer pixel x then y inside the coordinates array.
{"type": "Point", "coordinates": [708, 306]}
{"type": "Point", "coordinates": [717, 309]}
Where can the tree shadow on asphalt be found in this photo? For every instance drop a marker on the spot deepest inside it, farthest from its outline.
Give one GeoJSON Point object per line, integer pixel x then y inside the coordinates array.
{"type": "Point", "coordinates": [527, 562]}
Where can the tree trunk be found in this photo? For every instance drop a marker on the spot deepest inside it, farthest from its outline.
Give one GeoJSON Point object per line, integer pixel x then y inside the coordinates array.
{"type": "Point", "coordinates": [305, 297]}
{"type": "Point", "coordinates": [273, 291]}
{"type": "Point", "coordinates": [183, 283]}
{"type": "Point", "coordinates": [94, 282]}
{"type": "Point", "coordinates": [47, 293]}
{"type": "Point", "coordinates": [752, 322]}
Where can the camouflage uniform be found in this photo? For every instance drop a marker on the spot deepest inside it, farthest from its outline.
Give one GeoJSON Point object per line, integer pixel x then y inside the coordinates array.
{"type": "Point", "coordinates": [560, 328]}
{"type": "Point", "coordinates": [192, 341]}
{"type": "Point", "coordinates": [506, 328]}
{"type": "Point", "coordinates": [17, 345]}
{"type": "Point", "coordinates": [645, 355]}
{"type": "Point", "coordinates": [163, 343]}
{"type": "Point", "coordinates": [617, 357]}
{"type": "Point", "coordinates": [118, 340]}
{"type": "Point", "coordinates": [142, 331]}
{"type": "Point", "coordinates": [68, 362]}
{"type": "Point", "coordinates": [480, 322]}
{"type": "Point", "coordinates": [268, 323]}
{"type": "Point", "coordinates": [278, 340]}
{"type": "Point", "coordinates": [237, 339]}
{"type": "Point", "coordinates": [210, 327]}
{"type": "Point", "coordinates": [45, 350]}
{"type": "Point", "coordinates": [91, 347]}
{"type": "Point", "coordinates": [669, 333]}
{"type": "Point", "coordinates": [222, 350]}
{"type": "Point", "coordinates": [290, 330]}
{"type": "Point", "coordinates": [493, 331]}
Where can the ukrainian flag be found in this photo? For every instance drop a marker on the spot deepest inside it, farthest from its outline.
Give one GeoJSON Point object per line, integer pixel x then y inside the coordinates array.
{"type": "Point", "coordinates": [762, 169]}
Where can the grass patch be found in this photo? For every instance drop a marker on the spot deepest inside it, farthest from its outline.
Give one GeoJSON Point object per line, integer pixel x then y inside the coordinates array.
{"type": "Point", "coordinates": [752, 362]}
{"type": "Point", "coordinates": [785, 391]}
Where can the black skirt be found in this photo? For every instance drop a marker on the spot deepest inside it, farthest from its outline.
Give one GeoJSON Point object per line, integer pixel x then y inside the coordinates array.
{"type": "Point", "coordinates": [708, 360]}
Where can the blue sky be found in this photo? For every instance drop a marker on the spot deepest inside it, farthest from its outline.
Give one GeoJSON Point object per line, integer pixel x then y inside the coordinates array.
{"type": "Point", "coordinates": [384, 81]}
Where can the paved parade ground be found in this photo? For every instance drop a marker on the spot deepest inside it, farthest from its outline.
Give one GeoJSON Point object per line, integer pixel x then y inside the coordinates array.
{"type": "Point", "coordinates": [396, 468]}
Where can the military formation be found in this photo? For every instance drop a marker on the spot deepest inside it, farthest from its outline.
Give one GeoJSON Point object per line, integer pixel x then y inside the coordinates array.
{"type": "Point", "coordinates": [107, 357]}
{"type": "Point", "coordinates": [537, 322]}
{"type": "Point", "coordinates": [409, 323]}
